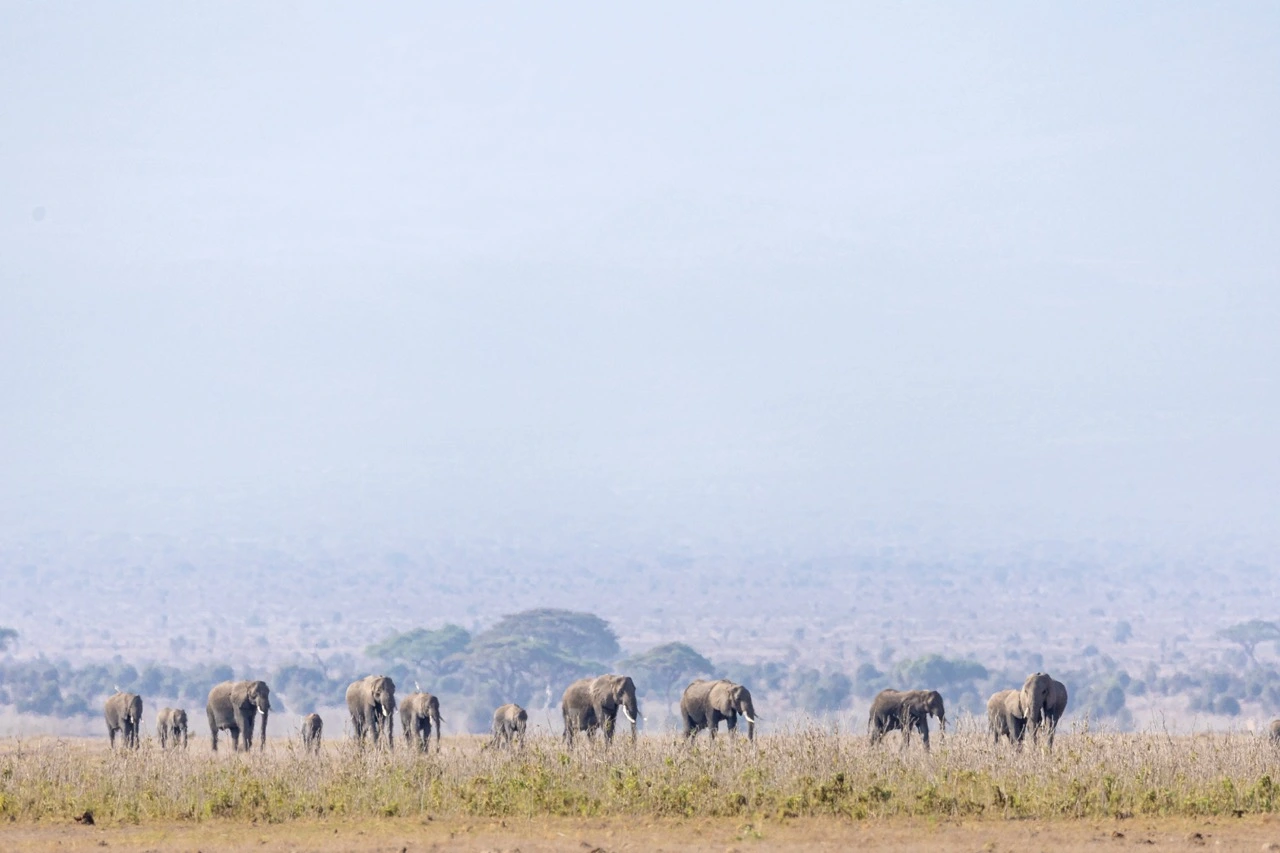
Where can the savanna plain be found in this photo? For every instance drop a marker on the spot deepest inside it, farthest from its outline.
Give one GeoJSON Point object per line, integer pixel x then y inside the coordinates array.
{"type": "Point", "coordinates": [807, 788]}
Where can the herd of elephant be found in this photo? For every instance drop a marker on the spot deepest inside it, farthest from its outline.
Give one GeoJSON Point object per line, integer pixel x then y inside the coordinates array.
{"type": "Point", "coordinates": [588, 704]}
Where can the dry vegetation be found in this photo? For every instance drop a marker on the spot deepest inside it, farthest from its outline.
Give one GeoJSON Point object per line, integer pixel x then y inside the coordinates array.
{"type": "Point", "coordinates": [800, 774]}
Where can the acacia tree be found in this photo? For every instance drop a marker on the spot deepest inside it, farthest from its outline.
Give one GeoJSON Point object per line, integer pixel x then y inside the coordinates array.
{"type": "Point", "coordinates": [1248, 634]}
{"type": "Point", "coordinates": [666, 666]}
{"type": "Point", "coordinates": [584, 636]}
{"type": "Point", "coordinates": [434, 651]}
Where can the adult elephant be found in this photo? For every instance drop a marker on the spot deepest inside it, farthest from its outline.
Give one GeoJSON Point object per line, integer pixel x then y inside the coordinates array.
{"type": "Point", "coordinates": [592, 703]}
{"type": "Point", "coordinates": [1045, 700]}
{"type": "Point", "coordinates": [372, 702]}
{"type": "Point", "coordinates": [419, 712]}
{"type": "Point", "coordinates": [233, 705]}
{"type": "Point", "coordinates": [705, 703]}
{"type": "Point", "coordinates": [312, 730]}
{"type": "Point", "coordinates": [1054, 707]}
{"type": "Point", "coordinates": [904, 710]}
{"type": "Point", "coordinates": [171, 724]}
{"type": "Point", "coordinates": [123, 712]}
{"type": "Point", "coordinates": [1007, 716]}
{"type": "Point", "coordinates": [509, 723]}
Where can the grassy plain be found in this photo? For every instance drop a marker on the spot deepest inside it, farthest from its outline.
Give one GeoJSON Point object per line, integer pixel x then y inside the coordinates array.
{"type": "Point", "coordinates": [808, 789]}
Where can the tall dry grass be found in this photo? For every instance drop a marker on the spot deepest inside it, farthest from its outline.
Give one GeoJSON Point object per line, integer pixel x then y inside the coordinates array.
{"type": "Point", "coordinates": [805, 772]}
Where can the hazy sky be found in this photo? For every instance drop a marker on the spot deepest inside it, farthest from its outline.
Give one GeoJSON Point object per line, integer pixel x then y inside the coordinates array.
{"type": "Point", "coordinates": [723, 270]}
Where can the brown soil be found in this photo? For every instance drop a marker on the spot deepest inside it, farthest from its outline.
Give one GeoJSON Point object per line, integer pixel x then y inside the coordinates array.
{"type": "Point", "coordinates": [607, 836]}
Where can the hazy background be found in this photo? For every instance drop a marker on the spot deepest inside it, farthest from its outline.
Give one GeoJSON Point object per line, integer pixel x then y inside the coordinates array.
{"type": "Point", "coordinates": [702, 273]}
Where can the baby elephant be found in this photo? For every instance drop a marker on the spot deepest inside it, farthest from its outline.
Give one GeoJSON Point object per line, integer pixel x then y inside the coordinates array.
{"type": "Point", "coordinates": [509, 723]}
{"type": "Point", "coordinates": [1275, 732]}
{"type": "Point", "coordinates": [312, 727]}
{"type": "Point", "coordinates": [172, 723]}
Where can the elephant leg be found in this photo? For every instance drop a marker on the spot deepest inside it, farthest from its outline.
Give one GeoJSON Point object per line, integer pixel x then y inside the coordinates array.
{"type": "Point", "coordinates": [731, 723]}
{"type": "Point", "coordinates": [249, 719]}
{"type": "Point", "coordinates": [111, 734]}
{"type": "Point", "coordinates": [234, 731]}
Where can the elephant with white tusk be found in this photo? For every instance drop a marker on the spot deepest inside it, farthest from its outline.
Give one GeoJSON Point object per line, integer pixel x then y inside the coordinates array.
{"type": "Point", "coordinates": [234, 706]}
{"type": "Point", "coordinates": [372, 703]}
{"type": "Point", "coordinates": [591, 703]}
{"type": "Point", "coordinates": [123, 713]}
{"type": "Point", "coordinates": [1044, 700]}
{"type": "Point", "coordinates": [705, 703]}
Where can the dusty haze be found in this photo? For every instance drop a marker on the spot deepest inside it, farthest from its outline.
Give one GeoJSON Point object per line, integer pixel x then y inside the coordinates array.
{"type": "Point", "coordinates": [833, 335]}
{"type": "Point", "coordinates": [730, 272]}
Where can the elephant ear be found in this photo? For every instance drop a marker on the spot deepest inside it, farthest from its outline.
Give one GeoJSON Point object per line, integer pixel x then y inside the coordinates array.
{"type": "Point", "coordinates": [239, 692]}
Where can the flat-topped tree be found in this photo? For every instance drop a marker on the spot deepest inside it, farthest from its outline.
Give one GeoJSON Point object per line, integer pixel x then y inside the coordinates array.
{"type": "Point", "coordinates": [584, 636]}
{"type": "Point", "coordinates": [1248, 634]}
{"type": "Point", "coordinates": [668, 666]}
{"type": "Point", "coordinates": [422, 648]}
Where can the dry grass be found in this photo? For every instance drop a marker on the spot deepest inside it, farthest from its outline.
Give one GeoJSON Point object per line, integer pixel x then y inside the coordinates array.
{"type": "Point", "coordinates": [800, 774]}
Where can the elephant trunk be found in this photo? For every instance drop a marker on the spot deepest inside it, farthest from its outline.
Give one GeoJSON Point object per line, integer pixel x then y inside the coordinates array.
{"type": "Point", "coordinates": [262, 738]}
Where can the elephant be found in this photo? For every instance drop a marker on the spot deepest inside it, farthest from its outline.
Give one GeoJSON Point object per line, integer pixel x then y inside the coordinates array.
{"type": "Point", "coordinates": [172, 723]}
{"type": "Point", "coordinates": [233, 705]}
{"type": "Point", "coordinates": [1007, 715]}
{"type": "Point", "coordinates": [705, 703]}
{"type": "Point", "coordinates": [905, 710]}
{"type": "Point", "coordinates": [123, 712]}
{"type": "Point", "coordinates": [1045, 700]}
{"type": "Point", "coordinates": [372, 702]}
{"type": "Point", "coordinates": [509, 722]}
{"type": "Point", "coordinates": [1275, 732]}
{"type": "Point", "coordinates": [591, 703]}
{"type": "Point", "coordinates": [419, 712]}
{"type": "Point", "coordinates": [312, 728]}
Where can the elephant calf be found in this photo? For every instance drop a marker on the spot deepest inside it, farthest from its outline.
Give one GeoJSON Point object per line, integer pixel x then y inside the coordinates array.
{"type": "Point", "coordinates": [123, 712]}
{"type": "Point", "coordinates": [312, 728]}
{"type": "Point", "coordinates": [904, 710]}
{"type": "Point", "coordinates": [1007, 716]}
{"type": "Point", "coordinates": [419, 712]}
{"type": "Point", "coordinates": [509, 723]}
{"type": "Point", "coordinates": [171, 723]}
{"type": "Point", "coordinates": [705, 703]}
{"type": "Point", "coordinates": [1275, 732]}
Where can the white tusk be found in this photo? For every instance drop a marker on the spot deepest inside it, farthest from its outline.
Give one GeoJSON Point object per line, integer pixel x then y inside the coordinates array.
{"type": "Point", "coordinates": [630, 718]}
{"type": "Point", "coordinates": [749, 720]}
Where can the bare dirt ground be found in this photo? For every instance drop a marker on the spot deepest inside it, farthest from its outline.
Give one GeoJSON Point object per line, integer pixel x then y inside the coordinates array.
{"type": "Point", "coordinates": [606, 836]}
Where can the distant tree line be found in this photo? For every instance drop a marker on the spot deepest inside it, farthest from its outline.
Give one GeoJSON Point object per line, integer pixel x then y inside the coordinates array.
{"type": "Point", "coordinates": [529, 657]}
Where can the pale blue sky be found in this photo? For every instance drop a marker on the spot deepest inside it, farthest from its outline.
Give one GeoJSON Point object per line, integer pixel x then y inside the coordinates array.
{"type": "Point", "coordinates": [703, 270]}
